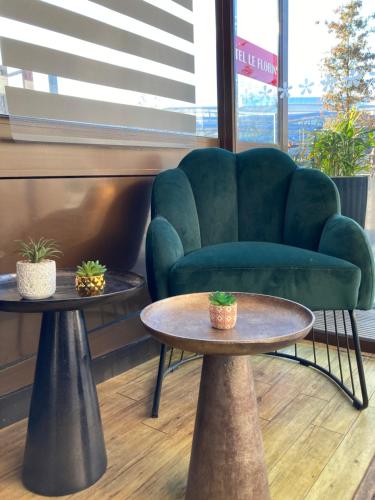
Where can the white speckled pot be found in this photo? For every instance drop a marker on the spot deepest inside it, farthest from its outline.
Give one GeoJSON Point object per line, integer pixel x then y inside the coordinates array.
{"type": "Point", "coordinates": [36, 280]}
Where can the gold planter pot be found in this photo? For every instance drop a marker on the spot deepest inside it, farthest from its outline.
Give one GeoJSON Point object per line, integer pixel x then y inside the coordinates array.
{"type": "Point", "coordinates": [87, 286]}
{"type": "Point", "coordinates": [223, 317]}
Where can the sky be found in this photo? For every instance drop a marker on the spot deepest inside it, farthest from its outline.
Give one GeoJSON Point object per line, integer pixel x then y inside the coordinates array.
{"type": "Point", "coordinates": [309, 41]}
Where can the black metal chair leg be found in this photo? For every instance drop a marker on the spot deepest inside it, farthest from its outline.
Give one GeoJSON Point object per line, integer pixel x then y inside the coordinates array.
{"type": "Point", "coordinates": [358, 356]}
{"type": "Point", "coordinates": [159, 382]}
{"type": "Point", "coordinates": [349, 391]}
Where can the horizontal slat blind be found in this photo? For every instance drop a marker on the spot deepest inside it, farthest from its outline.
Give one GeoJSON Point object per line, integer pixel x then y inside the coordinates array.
{"type": "Point", "coordinates": [54, 62]}
{"type": "Point", "coordinates": [134, 77]}
{"type": "Point", "coordinates": [154, 16]}
{"type": "Point", "coordinates": [60, 107]}
{"type": "Point", "coordinates": [63, 21]}
{"type": "Point", "coordinates": [185, 3]}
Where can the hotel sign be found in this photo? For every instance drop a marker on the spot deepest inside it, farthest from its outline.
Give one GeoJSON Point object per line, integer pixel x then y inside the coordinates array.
{"type": "Point", "coordinates": [254, 62]}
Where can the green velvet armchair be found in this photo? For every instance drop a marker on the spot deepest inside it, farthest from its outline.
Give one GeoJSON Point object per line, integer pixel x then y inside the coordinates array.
{"type": "Point", "coordinates": [255, 222]}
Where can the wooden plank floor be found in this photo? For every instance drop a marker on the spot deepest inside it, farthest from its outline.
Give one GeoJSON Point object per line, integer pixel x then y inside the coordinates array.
{"type": "Point", "coordinates": [317, 445]}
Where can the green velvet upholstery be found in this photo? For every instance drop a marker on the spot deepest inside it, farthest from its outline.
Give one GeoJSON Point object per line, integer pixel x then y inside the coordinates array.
{"type": "Point", "coordinates": [344, 238]}
{"type": "Point", "coordinates": [255, 222]}
{"type": "Point", "coordinates": [270, 268]}
{"type": "Point", "coordinates": [164, 249]}
{"type": "Point", "coordinates": [262, 194]}
{"type": "Point", "coordinates": [212, 176]}
{"type": "Point", "coordinates": [312, 199]}
{"type": "Point", "coordinates": [173, 198]}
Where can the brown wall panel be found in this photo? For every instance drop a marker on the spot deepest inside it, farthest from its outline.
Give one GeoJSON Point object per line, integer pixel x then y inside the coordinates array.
{"type": "Point", "coordinates": [91, 218]}
{"type": "Point", "coordinates": [116, 336]}
{"type": "Point", "coordinates": [18, 337]}
{"type": "Point", "coordinates": [102, 218]}
{"type": "Point", "coordinates": [102, 341]}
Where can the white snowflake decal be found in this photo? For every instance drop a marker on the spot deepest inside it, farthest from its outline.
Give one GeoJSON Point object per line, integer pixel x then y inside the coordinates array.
{"type": "Point", "coordinates": [353, 80]}
{"type": "Point", "coordinates": [284, 90]}
{"type": "Point", "coordinates": [266, 93]}
{"type": "Point", "coordinates": [327, 83]}
{"type": "Point", "coordinates": [306, 86]}
{"type": "Point", "coordinates": [246, 98]}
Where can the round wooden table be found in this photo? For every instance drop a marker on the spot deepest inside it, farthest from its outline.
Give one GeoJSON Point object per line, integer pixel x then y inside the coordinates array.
{"type": "Point", "coordinates": [65, 449]}
{"type": "Point", "coordinates": [227, 459]}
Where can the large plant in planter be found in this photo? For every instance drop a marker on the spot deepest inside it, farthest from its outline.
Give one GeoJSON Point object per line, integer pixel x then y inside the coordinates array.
{"type": "Point", "coordinates": [341, 150]}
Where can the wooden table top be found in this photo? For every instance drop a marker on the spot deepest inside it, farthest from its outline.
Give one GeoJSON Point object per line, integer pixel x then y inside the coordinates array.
{"type": "Point", "coordinates": [264, 324]}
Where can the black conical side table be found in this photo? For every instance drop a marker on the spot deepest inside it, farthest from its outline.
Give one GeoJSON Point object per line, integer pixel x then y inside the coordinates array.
{"type": "Point", "coordinates": [65, 450]}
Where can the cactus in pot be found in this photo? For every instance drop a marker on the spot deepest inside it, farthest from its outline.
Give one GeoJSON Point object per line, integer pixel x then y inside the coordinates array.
{"type": "Point", "coordinates": [36, 273]}
{"type": "Point", "coordinates": [223, 310]}
{"type": "Point", "coordinates": [90, 278]}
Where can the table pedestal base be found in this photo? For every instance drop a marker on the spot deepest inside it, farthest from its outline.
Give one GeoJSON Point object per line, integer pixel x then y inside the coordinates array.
{"type": "Point", "coordinates": [227, 459]}
{"type": "Point", "coordinates": [65, 449]}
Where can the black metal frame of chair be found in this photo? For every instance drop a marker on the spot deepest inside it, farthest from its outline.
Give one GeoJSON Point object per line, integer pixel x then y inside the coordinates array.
{"type": "Point", "coordinates": [349, 390]}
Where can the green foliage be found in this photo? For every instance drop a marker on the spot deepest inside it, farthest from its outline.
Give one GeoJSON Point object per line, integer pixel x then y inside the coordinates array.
{"type": "Point", "coordinates": [300, 153]}
{"type": "Point", "coordinates": [342, 149]}
{"type": "Point", "coordinates": [90, 268]}
{"type": "Point", "coordinates": [222, 299]}
{"type": "Point", "coordinates": [37, 251]}
{"type": "Point", "coordinates": [350, 62]}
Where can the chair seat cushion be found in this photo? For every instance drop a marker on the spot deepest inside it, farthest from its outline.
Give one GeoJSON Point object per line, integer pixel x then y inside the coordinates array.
{"type": "Point", "coordinates": [314, 279]}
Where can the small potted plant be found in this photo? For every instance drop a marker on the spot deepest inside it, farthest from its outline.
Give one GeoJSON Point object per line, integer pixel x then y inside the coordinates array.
{"type": "Point", "coordinates": [36, 273]}
{"type": "Point", "coordinates": [223, 310]}
{"type": "Point", "coordinates": [90, 278]}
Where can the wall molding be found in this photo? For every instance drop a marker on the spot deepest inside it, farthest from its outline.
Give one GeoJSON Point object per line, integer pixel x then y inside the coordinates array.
{"type": "Point", "coordinates": [113, 153]}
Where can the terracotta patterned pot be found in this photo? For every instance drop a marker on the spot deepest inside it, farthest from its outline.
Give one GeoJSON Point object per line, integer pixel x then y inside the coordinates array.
{"type": "Point", "coordinates": [223, 317]}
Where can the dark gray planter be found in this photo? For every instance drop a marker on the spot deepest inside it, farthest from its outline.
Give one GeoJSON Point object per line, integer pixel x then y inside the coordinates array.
{"type": "Point", "coordinates": [353, 195]}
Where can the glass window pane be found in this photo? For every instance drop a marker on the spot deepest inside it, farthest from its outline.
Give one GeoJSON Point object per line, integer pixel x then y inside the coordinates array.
{"type": "Point", "coordinates": [256, 65]}
{"type": "Point", "coordinates": [147, 66]}
{"type": "Point", "coordinates": [308, 79]}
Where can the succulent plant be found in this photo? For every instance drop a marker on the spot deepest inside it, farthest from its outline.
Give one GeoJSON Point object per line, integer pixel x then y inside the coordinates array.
{"type": "Point", "coordinates": [37, 251]}
{"type": "Point", "coordinates": [90, 268]}
{"type": "Point", "coordinates": [222, 299]}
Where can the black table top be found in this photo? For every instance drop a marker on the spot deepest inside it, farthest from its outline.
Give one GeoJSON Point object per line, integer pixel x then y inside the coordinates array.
{"type": "Point", "coordinates": [119, 285]}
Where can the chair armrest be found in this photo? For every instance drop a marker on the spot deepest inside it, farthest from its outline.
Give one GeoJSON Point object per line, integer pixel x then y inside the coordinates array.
{"type": "Point", "coordinates": [345, 239]}
{"type": "Point", "coordinates": [163, 249]}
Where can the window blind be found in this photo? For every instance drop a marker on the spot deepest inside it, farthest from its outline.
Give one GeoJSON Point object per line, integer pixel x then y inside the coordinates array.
{"type": "Point", "coordinates": [102, 63]}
